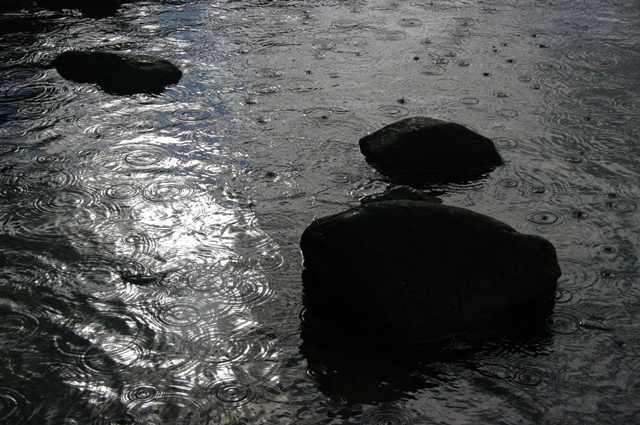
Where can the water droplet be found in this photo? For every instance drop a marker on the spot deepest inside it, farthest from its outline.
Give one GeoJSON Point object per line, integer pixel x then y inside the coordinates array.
{"type": "Point", "coordinates": [270, 73]}
{"type": "Point", "coordinates": [563, 323]}
{"type": "Point", "coordinates": [345, 24]}
{"type": "Point", "coordinates": [387, 415]}
{"type": "Point", "coordinates": [576, 275]}
{"type": "Point", "coordinates": [528, 378]}
{"type": "Point", "coordinates": [14, 407]}
{"type": "Point", "coordinates": [579, 215]}
{"type": "Point", "coordinates": [510, 183]}
{"type": "Point", "coordinates": [608, 250]}
{"type": "Point", "coordinates": [336, 400]}
{"type": "Point", "coordinates": [232, 393]}
{"type": "Point", "coordinates": [143, 393]}
{"type": "Point", "coordinates": [410, 22]}
{"type": "Point", "coordinates": [16, 327]}
{"type": "Point", "coordinates": [621, 206]}
{"type": "Point", "coordinates": [565, 199]}
{"type": "Point", "coordinates": [507, 113]}
{"type": "Point", "coordinates": [192, 114]}
{"type": "Point", "coordinates": [144, 157]}
{"type": "Point", "coordinates": [265, 88]}
{"type": "Point", "coordinates": [463, 63]}
{"type": "Point", "coordinates": [323, 45]}
{"type": "Point", "coordinates": [179, 315]}
{"type": "Point", "coordinates": [393, 111]}
{"type": "Point", "coordinates": [543, 217]}
{"type": "Point", "coordinates": [50, 159]}
{"type": "Point", "coordinates": [122, 191]}
{"type": "Point", "coordinates": [317, 372]}
{"type": "Point", "coordinates": [607, 274]}
{"type": "Point", "coordinates": [391, 35]}
{"type": "Point", "coordinates": [506, 143]}
{"type": "Point", "coordinates": [356, 41]}
{"type": "Point", "coordinates": [470, 101]}
{"type": "Point", "coordinates": [167, 191]}
{"type": "Point", "coordinates": [447, 85]}
{"type": "Point", "coordinates": [434, 70]}
{"type": "Point", "coordinates": [562, 297]}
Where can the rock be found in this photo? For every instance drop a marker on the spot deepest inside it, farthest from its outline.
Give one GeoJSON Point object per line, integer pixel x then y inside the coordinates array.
{"type": "Point", "coordinates": [401, 192]}
{"type": "Point", "coordinates": [428, 149]}
{"type": "Point", "coordinates": [118, 73]}
{"type": "Point", "coordinates": [414, 270]}
{"type": "Point", "coordinates": [92, 9]}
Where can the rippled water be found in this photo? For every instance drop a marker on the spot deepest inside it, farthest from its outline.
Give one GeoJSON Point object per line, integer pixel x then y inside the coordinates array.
{"type": "Point", "coordinates": [149, 261]}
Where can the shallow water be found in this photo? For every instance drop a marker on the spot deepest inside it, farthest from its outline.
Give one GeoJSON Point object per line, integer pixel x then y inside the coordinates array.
{"type": "Point", "coordinates": [149, 262]}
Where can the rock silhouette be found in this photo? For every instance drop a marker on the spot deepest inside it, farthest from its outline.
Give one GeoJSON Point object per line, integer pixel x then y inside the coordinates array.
{"type": "Point", "coordinates": [414, 270]}
{"type": "Point", "coordinates": [92, 9]}
{"type": "Point", "coordinates": [423, 149]}
{"type": "Point", "coordinates": [118, 73]}
{"type": "Point", "coordinates": [401, 192]}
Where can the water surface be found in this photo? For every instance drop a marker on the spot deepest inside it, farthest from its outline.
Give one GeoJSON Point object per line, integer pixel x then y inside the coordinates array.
{"type": "Point", "coordinates": [149, 262]}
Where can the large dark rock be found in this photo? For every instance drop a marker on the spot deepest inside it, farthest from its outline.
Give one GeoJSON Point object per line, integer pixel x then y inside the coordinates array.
{"type": "Point", "coordinates": [118, 73]}
{"type": "Point", "coordinates": [415, 269]}
{"type": "Point", "coordinates": [427, 149]}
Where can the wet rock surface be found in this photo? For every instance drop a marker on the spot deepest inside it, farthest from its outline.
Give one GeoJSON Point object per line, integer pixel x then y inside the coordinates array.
{"type": "Point", "coordinates": [415, 269]}
{"type": "Point", "coordinates": [118, 73]}
{"type": "Point", "coordinates": [401, 192]}
{"type": "Point", "coordinates": [429, 149]}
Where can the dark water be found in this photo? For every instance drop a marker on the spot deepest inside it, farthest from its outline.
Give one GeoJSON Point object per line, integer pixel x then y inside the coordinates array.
{"type": "Point", "coordinates": [149, 263]}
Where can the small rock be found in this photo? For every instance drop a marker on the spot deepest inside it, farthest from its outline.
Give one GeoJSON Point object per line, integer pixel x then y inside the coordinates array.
{"type": "Point", "coordinates": [430, 150]}
{"type": "Point", "coordinates": [118, 73]}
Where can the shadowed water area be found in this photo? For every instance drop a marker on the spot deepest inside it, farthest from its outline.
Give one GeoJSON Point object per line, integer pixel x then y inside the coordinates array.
{"type": "Point", "coordinates": [150, 269]}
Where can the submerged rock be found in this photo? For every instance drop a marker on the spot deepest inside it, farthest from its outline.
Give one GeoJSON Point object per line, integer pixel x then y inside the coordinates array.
{"type": "Point", "coordinates": [428, 149]}
{"type": "Point", "coordinates": [413, 269]}
{"type": "Point", "coordinates": [401, 192]}
{"type": "Point", "coordinates": [118, 73]}
{"type": "Point", "coordinates": [92, 9]}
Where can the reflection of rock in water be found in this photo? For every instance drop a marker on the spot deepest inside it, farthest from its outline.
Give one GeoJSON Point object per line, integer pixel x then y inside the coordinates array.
{"type": "Point", "coordinates": [350, 360]}
{"type": "Point", "coordinates": [346, 363]}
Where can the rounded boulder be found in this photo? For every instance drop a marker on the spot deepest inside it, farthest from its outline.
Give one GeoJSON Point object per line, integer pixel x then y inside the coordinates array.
{"type": "Point", "coordinates": [430, 149]}
{"type": "Point", "coordinates": [414, 269]}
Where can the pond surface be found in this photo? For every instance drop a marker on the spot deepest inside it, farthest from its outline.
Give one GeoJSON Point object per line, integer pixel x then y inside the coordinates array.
{"type": "Point", "coordinates": [150, 270]}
